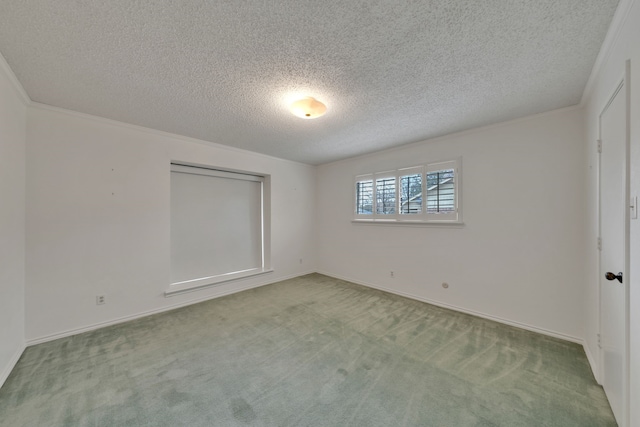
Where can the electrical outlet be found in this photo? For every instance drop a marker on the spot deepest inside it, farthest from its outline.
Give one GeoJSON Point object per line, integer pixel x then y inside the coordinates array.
{"type": "Point", "coordinates": [100, 299]}
{"type": "Point", "coordinates": [392, 274]}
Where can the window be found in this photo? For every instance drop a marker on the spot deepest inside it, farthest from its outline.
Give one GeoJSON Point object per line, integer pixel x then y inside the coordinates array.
{"type": "Point", "coordinates": [385, 194]}
{"type": "Point", "coordinates": [411, 191]}
{"type": "Point", "coordinates": [218, 227]}
{"type": "Point", "coordinates": [364, 196]}
{"type": "Point", "coordinates": [420, 194]}
{"type": "Point", "coordinates": [441, 190]}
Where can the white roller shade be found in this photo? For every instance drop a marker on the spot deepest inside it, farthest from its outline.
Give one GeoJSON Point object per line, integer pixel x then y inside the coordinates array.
{"type": "Point", "coordinates": [216, 224]}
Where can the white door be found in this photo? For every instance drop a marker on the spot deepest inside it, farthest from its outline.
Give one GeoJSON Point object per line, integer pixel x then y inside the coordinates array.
{"type": "Point", "coordinates": [613, 208]}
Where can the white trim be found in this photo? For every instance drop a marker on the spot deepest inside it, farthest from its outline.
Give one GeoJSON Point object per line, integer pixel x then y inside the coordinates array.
{"type": "Point", "coordinates": [76, 331]}
{"type": "Point", "coordinates": [6, 69]}
{"type": "Point", "coordinates": [456, 134]}
{"type": "Point", "coordinates": [514, 323]}
{"type": "Point", "coordinates": [613, 33]}
{"type": "Point", "coordinates": [407, 172]}
{"type": "Point", "coordinates": [623, 84]}
{"type": "Point", "coordinates": [216, 172]}
{"type": "Point", "coordinates": [358, 179]}
{"type": "Point", "coordinates": [99, 325]}
{"type": "Point", "coordinates": [592, 362]}
{"type": "Point", "coordinates": [424, 217]}
{"type": "Point", "coordinates": [207, 282]}
{"type": "Point", "coordinates": [12, 364]}
{"type": "Point", "coordinates": [124, 319]}
{"type": "Point", "coordinates": [627, 249]}
{"type": "Point", "coordinates": [456, 166]}
{"type": "Point", "coordinates": [409, 223]}
{"type": "Point", "coordinates": [619, 86]}
{"type": "Point", "coordinates": [385, 176]}
{"type": "Point", "coordinates": [160, 133]}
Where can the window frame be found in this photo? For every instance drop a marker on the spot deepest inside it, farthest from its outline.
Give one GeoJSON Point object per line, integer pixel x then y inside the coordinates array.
{"type": "Point", "coordinates": [180, 287]}
{"type": "Point", "coordinates": [358, 179]}
{"type": "Point", "coordinates": [383, 176]}
{"type": "Point", "coordinates": [423, 218]}
{"type": "Point", "coordinates": [440, 166]}
{"type": "Point", "coordinates": [414, 170]}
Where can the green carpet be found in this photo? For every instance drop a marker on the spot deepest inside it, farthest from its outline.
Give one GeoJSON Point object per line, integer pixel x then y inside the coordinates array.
{"type": "Point", "coordinates": [311, 351]}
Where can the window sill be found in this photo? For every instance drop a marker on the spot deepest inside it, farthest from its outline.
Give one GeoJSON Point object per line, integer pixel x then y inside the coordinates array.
{"type": "Point", "coordinates": [408, 223]}
{"type": "Point", "coordinates": [206, 282]}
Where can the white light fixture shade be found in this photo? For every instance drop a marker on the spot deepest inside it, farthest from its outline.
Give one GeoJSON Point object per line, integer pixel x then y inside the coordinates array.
{"type": "Point", "coordinates": [308, 108]}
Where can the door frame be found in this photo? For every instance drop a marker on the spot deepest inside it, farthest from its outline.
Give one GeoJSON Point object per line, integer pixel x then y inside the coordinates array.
{"type": "Point", "coordinates": [623, 87]}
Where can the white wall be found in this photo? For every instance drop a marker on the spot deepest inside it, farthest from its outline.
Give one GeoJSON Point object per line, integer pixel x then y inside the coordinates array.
{"type": "Point", "coordinates": [98, 219]}
{"type": "Point", "coordinates": [626, 46]}
{"type": "Point", "coordinates": [519, 258]}
{"type": "Point", "coordinates": [13, 113]}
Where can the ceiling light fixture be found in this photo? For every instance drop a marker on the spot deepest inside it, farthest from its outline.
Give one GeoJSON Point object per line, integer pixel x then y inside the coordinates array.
{"type": "Point", "coordinates": [308, 108]}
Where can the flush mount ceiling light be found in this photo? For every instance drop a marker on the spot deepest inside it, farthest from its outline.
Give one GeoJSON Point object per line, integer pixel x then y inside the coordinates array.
{"type": "Point", "coordinates": [308, 108]}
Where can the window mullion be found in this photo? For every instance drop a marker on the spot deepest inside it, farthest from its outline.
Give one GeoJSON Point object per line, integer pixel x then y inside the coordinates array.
{"type": "Point", "coordinates": [424, 196]}
{"type": "Point", "coordinates": [428, 193]}
{"type": "Point", "coordinates": [374, 203]}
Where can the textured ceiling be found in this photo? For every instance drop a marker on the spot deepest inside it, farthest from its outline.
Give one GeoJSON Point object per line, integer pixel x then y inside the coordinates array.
{"type": "Point", "coordinates": [391, 72]}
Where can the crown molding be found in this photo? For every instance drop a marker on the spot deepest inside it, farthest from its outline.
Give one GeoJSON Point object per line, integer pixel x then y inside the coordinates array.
{"type": "Point", "coordinates": [458, 134]}
{"type": "Point", "coordinates": [617, 23]}
{"type": "Point", "coordinates": [137, 128]}
{"type": "Point", "coordinates": [15, 83]}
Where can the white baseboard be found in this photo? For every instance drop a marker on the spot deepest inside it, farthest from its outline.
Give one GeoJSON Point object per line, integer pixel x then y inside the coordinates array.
{"type": "Point", "coordinates": [592, 362]}
{"type": "Point", "coordinates": [509, 322]}
{"type": "Point", "coordinates": [12, 364]}
{"type": "Point", "coordinates": [92, 327]}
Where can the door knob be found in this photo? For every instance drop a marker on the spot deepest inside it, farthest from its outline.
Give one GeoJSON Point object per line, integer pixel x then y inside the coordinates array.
{"type": "Point", "coordinates": [611, 276]}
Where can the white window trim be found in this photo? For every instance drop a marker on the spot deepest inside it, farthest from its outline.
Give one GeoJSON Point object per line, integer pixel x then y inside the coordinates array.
{"type": "Point", "coordinates": [205, 282]}
{"type": "Point", "coordinates": [385, 175]}
{"type": "Point", "coordinates": [362, 178]}
{"type": "Point", "coordinates": [404, 172]}
{"type": "Point", "coordinates": [453, 219]}
{"type": "Point", "coordinates": [433, 167]}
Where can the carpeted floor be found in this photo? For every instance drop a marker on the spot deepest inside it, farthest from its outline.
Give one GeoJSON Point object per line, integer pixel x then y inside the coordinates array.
{"type": "Point", "coordinates": [311, 351]}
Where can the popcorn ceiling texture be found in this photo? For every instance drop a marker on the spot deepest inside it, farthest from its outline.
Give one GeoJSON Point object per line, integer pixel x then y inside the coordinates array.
{"type": "Point", "coordinates": [390, 72]}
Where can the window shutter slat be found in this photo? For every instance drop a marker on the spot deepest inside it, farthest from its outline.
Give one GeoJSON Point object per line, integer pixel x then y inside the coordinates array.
{"type": "Point", "coordinates": [364, 197]}
{"type": "Point", "coordinates": [411, 194]}
{"type": "Point", "coordinates": [386, 196]}
{"type": "Point", "coordinates": [441, 191]}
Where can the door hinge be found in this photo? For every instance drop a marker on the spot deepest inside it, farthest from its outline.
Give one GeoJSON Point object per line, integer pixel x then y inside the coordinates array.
{"type": "Point", "coordinates": [599, 146]}
{"type": "Point", "coordinates": [599, 243]}
{"type": "Point", "coordinates": [599, 341]}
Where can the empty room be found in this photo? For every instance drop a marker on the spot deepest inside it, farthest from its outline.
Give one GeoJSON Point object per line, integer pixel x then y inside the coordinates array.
{"type": "Point", "coordinates": [335, 213]}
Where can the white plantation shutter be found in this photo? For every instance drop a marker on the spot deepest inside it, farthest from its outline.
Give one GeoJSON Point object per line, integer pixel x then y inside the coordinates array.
{"type": "Point", "coordinates": [410, 191]}
{"type": "Point", "coordinates": [441, 189]}
{"type": "Point", "coordinates": [385, 193]}
{"type": "Point", "coordinates": [364, 195]}
{"type": "Point", "coordinates": [413, 195]}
